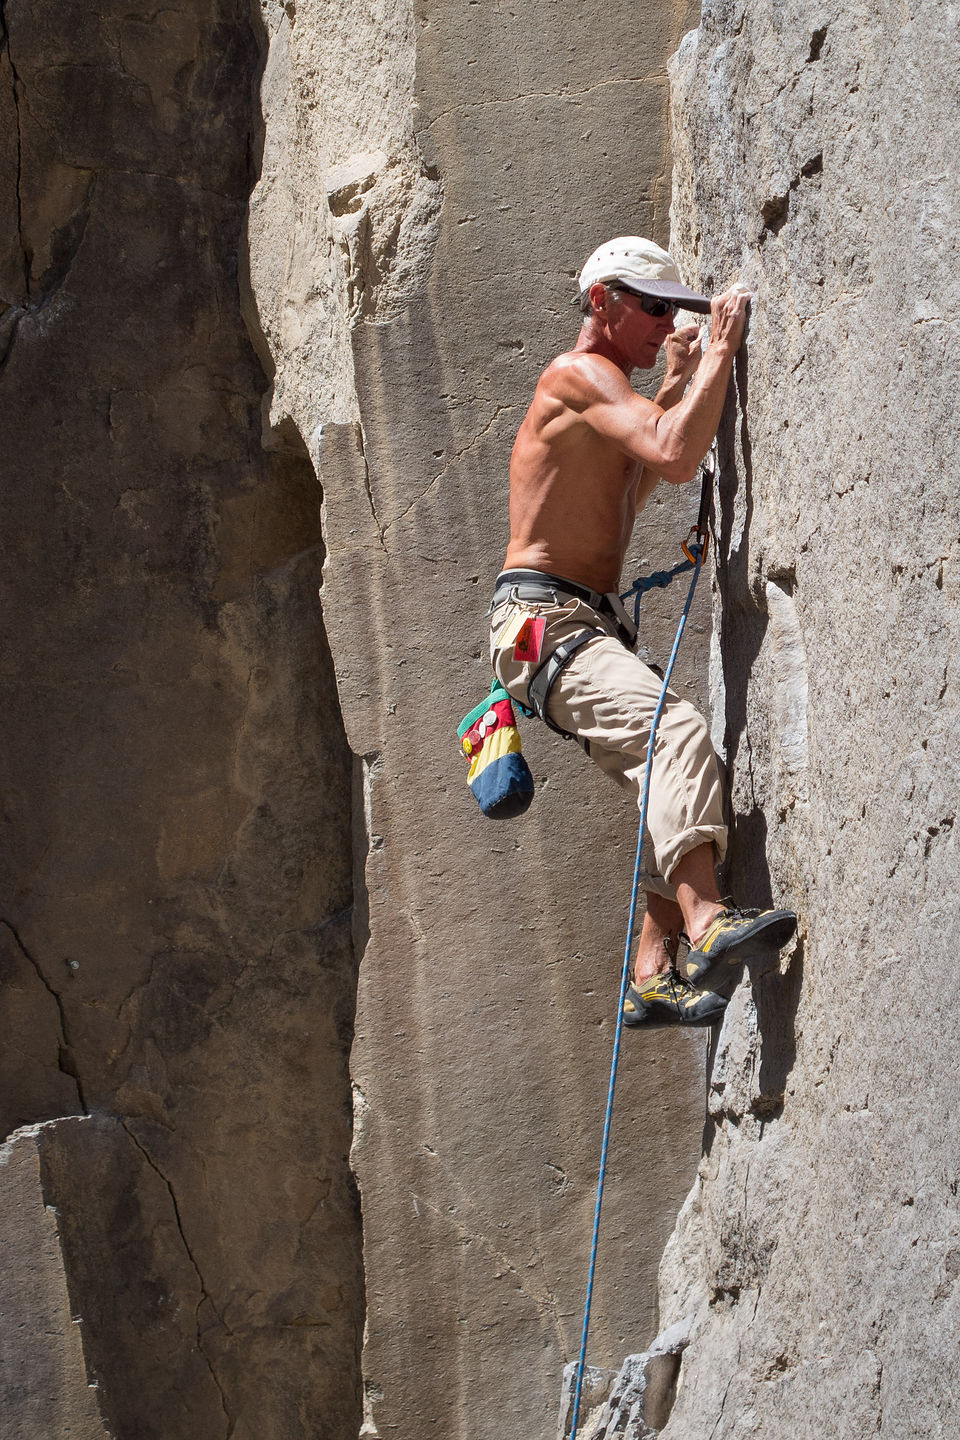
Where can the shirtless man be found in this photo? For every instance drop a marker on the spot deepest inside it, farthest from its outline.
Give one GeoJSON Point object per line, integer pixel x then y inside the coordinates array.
{"type": "Point", "coordinates": [587, 457]}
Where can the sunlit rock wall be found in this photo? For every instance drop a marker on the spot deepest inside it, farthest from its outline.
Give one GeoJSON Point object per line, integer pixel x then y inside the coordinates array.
{"type": "Point", "coordinates": [433, 178]}
{"type": "Point", "coordinates": [815, 154]}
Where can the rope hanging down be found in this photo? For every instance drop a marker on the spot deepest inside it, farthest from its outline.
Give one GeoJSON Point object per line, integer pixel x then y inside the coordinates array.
{"type": "Point", "coordinates": [695, 552]}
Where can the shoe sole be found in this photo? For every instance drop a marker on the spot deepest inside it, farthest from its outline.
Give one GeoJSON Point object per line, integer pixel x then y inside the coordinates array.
{"type": "Point", "coordinates": [666, 1022]}
{"type": "Point", "coordinates": [768, 933]}
{"type": "Point", "coordinates": [649, 1019]}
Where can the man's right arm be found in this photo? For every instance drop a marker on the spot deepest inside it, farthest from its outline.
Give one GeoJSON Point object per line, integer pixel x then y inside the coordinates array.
{"type": "Point", "coordinates": [670, 442]}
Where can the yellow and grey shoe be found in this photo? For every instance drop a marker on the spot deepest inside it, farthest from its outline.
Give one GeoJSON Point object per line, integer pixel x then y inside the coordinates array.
{"type": "Point", "coordinates": [734, 936]}
{"type": "Point", "coordinates": [667, 999]}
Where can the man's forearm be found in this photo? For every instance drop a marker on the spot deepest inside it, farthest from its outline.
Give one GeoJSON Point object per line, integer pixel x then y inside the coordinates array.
{"type": "Point", "coordinates": [688, 427]}
{"type": "Point", "coordinates": [669, 394]}
{"type": "Point", "coordinates": [671, 391]}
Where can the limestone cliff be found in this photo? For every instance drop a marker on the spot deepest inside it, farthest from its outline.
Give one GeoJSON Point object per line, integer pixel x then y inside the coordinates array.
{"type": "Point", "coordinates": [815, 151]}
{"type": "Point", "coordinates": [277, 281]}
{"type": "Point", "coordinates": [175, 939]}
{"type": "Point", "coordinates": [249, 251]}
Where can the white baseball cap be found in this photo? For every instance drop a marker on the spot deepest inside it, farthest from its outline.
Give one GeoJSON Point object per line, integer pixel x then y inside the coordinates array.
{"type": "Point", "coordinates": [640, 265]}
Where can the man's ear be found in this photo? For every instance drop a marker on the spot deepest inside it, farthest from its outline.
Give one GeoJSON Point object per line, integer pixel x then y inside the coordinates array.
{"type": "Point", "coordinates": [599, 297]}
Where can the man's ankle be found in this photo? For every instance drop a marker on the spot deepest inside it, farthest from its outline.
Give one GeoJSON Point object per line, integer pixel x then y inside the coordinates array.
{"type": "Point", "coordinates": [705, 918]}
{"type": "Point", "coordinates": [646, 970]}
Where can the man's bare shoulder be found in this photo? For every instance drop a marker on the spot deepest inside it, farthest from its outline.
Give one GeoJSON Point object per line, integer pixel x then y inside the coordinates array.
{"type": "Point", "coordinates": [579, 379]}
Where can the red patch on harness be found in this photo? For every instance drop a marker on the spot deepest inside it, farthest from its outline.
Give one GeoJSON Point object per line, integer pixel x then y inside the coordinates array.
{"type": "Point", "coordinates": [530, 639]}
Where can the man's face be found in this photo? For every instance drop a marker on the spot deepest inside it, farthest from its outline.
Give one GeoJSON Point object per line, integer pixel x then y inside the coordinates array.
{"type": "Point", "coordinates": [636, 331]}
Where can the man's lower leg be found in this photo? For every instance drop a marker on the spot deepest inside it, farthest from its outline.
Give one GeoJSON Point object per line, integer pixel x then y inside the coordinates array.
{"type": "Point", "coordinates": [659, 996]}
{"type": "Point", "coordinates": [721, 937]}
{"type": "Point", "coordinates": [662, 924]}
{"type": "Point", "coordinates": [694, 879]}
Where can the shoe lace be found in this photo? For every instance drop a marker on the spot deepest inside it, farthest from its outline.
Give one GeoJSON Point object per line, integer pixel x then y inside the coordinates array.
{"type": "Point", "coordinates": [730, 911]}
{"type": "Point", "coordinates": [676, 984]}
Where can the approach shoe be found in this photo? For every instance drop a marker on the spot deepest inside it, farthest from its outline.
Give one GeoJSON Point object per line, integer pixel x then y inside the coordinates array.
{"type": "Point", "coordinates": [667, 999]}
{"type": "Point", "coordinates": [734, 936]}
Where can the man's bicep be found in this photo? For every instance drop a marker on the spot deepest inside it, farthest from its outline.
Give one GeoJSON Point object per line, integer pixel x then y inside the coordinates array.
{"type": "Point", "coordinates": [630, 421]}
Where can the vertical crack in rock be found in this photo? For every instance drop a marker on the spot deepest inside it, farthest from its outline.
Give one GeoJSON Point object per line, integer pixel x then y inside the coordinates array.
{"type": "Point", "coordinates": [14, 305]}
{"type": "Point", "coordinates": [368, 486]}
{"type": "Point", "coordinates": [205, 1295]}
{"type": "Point", "coordinates": [364, 766]}
{"type": "Point", "coordinates": [16, 88]}
{"type": "Point", "coordinates": [65, 1057]}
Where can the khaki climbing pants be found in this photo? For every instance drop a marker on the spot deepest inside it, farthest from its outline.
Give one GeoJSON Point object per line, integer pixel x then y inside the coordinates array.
{"type": "Point", "coordinates": [605, 697]}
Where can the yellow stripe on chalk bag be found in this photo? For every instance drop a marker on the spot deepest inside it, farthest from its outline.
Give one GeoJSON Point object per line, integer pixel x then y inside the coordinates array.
{"type": "Point", "coordinates": [505, 740]}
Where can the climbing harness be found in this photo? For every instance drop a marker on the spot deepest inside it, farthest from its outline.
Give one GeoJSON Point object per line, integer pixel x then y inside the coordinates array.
{"type": "Point", "coordinates": [545, 677]}
{"type": "Point", "coordinates": [541, 588]}
{"type": "Point", "coordinates": [694, 548]}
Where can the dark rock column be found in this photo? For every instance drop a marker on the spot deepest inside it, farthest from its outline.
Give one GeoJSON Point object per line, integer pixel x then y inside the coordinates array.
{"type": "Point", "coordinates": [177, 857]}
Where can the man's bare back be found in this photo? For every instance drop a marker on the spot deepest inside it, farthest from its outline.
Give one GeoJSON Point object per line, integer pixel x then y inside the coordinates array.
{"type": "Point", "coordinates": [591, 450]}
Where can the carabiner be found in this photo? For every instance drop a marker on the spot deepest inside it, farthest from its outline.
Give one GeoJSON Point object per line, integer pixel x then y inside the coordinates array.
{"type": "Point", "coordinates": [693, 546]}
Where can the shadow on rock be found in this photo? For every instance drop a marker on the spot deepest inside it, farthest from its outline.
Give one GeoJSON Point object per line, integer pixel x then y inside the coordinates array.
{"type": "Point", "coordinates": [777, 998]}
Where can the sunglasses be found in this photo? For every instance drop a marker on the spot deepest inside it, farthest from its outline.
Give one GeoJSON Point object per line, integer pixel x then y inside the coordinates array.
{"type": "Point", "coordinates": [651, 305]}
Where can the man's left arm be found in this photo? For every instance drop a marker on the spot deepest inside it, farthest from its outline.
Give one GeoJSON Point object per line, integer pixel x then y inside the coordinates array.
{"type": "Point", "coordinates": [683, 351]}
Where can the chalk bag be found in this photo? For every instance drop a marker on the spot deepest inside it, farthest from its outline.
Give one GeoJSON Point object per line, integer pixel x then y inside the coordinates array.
{"type": "Point", "coordinates": [499, 776]}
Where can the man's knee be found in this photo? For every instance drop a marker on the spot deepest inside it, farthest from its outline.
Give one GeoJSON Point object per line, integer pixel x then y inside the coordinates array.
{"type": "Point", "coordinates": [684, 729]}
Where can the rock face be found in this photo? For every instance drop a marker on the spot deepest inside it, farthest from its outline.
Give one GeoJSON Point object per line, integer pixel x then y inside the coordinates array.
{"type": "Point", "coordinates": [433, 178]}
{"type": "Point", "coordinates": [194, 859]}
{"type": "Point", "coordinates": [175, 942]}
{"type": "Point", "coordinates": [45, 1389]}
{"type": "Point", "coordinates": [256, 256]}
{"type": "Point", "coordinates": [819, 1252]}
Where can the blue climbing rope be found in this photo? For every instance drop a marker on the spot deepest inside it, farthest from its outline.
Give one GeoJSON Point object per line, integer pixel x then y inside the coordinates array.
{"type": "Point", "coordinates": [659, 580]}
{"type": "Point", "coordinates": [648, 582]}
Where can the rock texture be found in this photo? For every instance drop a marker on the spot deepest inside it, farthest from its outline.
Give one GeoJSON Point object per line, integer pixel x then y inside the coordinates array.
{"type": "Point", "coordinates": [44, 1385]}
{"type": "Point", "coordinates": [175, 938]}
{"type": "Point", "coordinates": [820, 1248]}
{"type": "Point", "coordinates": [433, 177]}
{"type": "Point", "coordinates": [631, 1403]}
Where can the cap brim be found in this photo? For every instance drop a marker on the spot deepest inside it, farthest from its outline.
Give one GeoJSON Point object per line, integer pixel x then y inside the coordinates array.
{"type": "Point", "coordinates": [659, 289]}
{"type": "Point", "coordinates": [672, 290]}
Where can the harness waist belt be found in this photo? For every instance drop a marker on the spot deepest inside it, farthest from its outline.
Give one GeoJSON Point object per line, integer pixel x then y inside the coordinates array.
{"type": "Point", "coordinates": [538, 586]}
{"type": "Point", "coordinates": [543, 581]}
